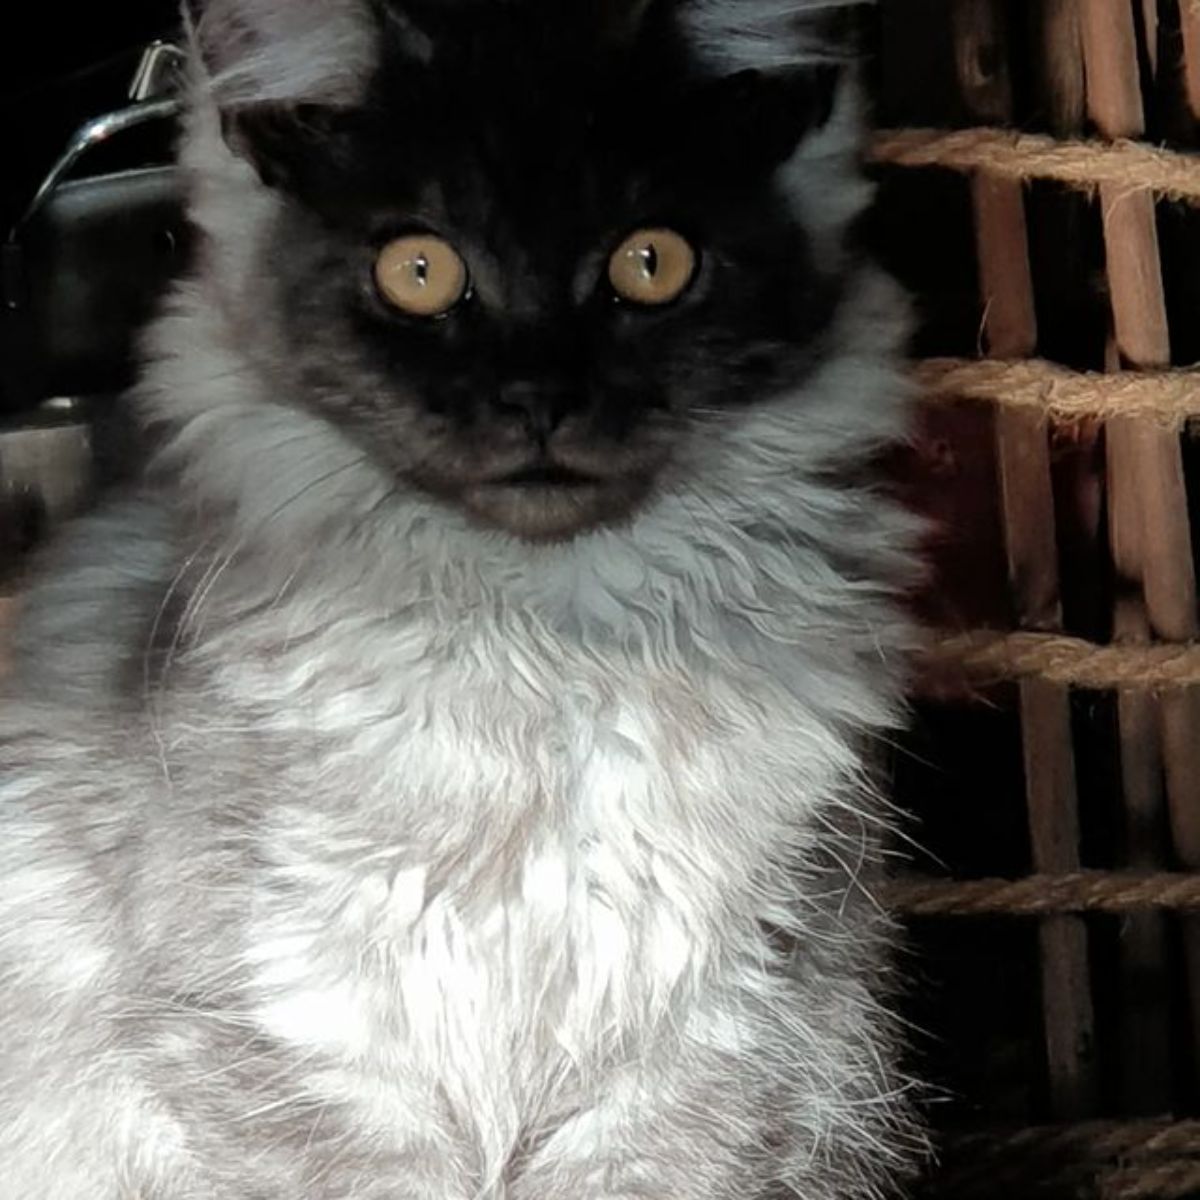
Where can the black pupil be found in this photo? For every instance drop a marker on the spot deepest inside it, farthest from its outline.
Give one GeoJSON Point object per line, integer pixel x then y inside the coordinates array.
{"type": "Point", "coordinates": [650, 260]}
{"type": "Point", "coordinates": [421, 267]}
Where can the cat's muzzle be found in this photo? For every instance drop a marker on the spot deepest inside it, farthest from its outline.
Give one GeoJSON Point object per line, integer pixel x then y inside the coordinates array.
{"type": "Point", "coordinates": [545, 500]}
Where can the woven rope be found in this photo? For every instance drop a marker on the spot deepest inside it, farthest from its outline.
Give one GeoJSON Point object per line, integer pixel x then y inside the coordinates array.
{"type": "Point", "coordinates": [1163, 1181]}
{"type": "Point", "coordinates": [1170, 397]}
{"type": "Point", "coordinates": [1087, 1140]}
{"type": "Point", "coordinates": [1042, 895]}
{"type": "Point", "coordinates": [1025, 156]}
{"type": "Point", "coordinates": [1112, 1154]}
{"type": "Point", "coordinates": [986, 656]}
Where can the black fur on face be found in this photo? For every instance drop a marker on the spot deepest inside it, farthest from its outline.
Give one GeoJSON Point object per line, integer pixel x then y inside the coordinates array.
{"type": "Point", "coordinates": [534, 136]}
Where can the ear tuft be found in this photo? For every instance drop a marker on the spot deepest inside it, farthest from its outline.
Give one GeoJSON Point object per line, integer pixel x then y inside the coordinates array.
{"type": "Point", "coordinates": [283, 52]}
{"type": "Point", "coordinates": [768, 35]}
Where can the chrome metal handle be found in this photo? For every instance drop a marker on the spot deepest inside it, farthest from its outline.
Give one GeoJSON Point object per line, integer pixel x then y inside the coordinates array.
{"type": "Point", "coordinates": [157, 71]}
{"type": "Point", "coordinates": [98, 130]}
{"type": "Point", "coordinates": [159, 62]}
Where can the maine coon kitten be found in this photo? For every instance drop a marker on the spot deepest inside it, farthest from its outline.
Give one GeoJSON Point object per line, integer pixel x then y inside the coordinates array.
{"type": "Point", "coordinates": [445, 779]}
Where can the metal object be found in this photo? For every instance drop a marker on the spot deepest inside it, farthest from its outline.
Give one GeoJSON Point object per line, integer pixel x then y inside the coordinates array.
{"type": "Point", "coordinates": [46, 458]}
{"type": "Point", "coordinates": [51, 462]}
{"type": "Point", "coordinates": [152, 92]}
{"type": "Point", "coordinates": [158, 72]}
{"type": "Point", "coordinates": [96, 131]}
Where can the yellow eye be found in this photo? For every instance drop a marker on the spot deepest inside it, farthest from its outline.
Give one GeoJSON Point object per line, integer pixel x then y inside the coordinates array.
{"type": "Point", "coordinates": [421, 274]}
{"type": "Point", "coordinates": [652, 266]}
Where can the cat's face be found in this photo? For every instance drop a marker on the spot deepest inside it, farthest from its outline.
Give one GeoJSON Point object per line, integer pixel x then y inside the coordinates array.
{"type": "Point", "coordinates": [538, 256]}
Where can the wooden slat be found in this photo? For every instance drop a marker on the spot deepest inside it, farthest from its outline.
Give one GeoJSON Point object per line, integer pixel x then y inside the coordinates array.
{"type": "Point", "coordinates": [1023, 460]}
{"type": "Point", "coordinates": [1145, 1020]}
{"type": "Point", "coordinates": [1062, 86]}
{"type": "Point", "coordinates": [1148, 522]}
{"type": "Point", "coordinates": [1010, 326]}
{"type": "Point", "coordinates": [1054, 836]}
{"type": "Point", "coordinates": [1027, 503]}
{"type": "Point", "coordinates": [1114, 93]}
{"type": "Point", "coordinates": [1189, 21]}
{"type": "Point", "coordinates": [1180, 714]}
{"type": "Point", "coordinates": [1006, 286]}
{"type": "Point", "coordinates": [1180, 710]}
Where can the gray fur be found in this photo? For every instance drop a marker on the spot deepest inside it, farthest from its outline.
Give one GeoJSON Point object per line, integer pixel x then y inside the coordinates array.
{"type": "Point", "coordinates": [763, 34]}
{"type": "Point", "coordinates": [352, 851]}
{"type": "Point", "coordinates": [286, 51]}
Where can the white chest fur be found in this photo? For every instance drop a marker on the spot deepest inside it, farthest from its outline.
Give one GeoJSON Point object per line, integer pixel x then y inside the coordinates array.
{"type": "Point", "coordinates": [499, 872]}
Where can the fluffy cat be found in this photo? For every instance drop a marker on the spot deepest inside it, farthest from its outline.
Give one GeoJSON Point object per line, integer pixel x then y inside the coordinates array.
{"type": "Point", "coordinates": [445, 779]}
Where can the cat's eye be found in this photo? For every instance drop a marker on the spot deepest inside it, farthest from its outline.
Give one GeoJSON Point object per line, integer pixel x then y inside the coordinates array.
{"type": "Point", "coordinates": [652, 266]}
{"type": "Point", "coordinates": [421, 274]}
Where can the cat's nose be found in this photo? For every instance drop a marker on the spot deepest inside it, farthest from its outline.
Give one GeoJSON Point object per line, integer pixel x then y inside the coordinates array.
{"type": "Point", "coordinates": [539, 407]}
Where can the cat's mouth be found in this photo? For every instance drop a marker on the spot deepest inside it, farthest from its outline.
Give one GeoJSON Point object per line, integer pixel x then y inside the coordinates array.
{"type": "Point", "coordinates": [546, 475]}
{"type": "Point", "coordinates": [547, 501]}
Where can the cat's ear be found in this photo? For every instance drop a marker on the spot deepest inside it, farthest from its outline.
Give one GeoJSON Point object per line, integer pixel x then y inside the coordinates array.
{"type": "Point", "coordinates": [285, 52]}
{"type": "Point", "coordinates": [756, 119]}
{"type": "Point", "coordinates": [281, 73]}
{"type": "Point", "coordinates": [777, 66]}
{"type": "Point", "coordinates": [770, 35]}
